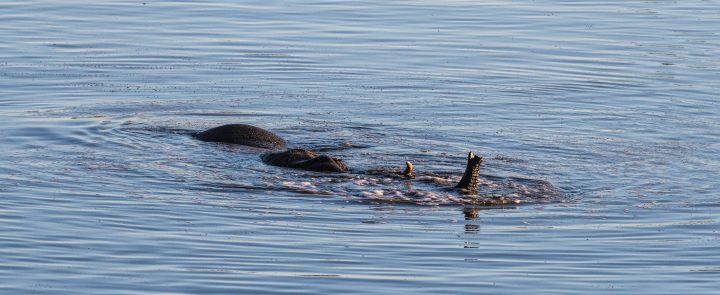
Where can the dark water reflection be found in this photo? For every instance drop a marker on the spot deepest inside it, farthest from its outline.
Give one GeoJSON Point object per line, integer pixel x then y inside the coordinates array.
{"type": "Point", "coordinates": [612, 107]}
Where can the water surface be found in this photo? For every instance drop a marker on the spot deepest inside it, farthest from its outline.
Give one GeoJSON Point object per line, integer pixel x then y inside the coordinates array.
{"type": "Point", "coordinates": [614, 105]}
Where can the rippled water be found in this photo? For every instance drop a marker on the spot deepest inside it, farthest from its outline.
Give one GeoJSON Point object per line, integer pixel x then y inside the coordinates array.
{"type": "Point", "coordinates": [608, 109]}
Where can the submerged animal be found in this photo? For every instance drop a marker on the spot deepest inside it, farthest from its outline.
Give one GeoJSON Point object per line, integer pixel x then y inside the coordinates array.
{"type": "Point", "coordinates": [304, 159]}
{"type": "Point", "coordinates": [242, 134]}
{"type": "Point", "coordinates": [310, 160]}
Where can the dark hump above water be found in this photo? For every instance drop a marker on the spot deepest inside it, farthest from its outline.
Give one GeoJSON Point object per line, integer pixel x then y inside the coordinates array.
{"type": "Point", "coordinates": [242, 134]}
{"type": "Point", "coordinates": [304, 159]}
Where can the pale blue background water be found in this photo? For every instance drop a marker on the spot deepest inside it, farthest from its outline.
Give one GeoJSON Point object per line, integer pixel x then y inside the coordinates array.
{"type": "Point", "coordinates": [614, 102]}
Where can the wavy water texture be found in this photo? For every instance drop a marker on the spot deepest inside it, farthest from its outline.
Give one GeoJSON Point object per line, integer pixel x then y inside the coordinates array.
{"type": "Point", "coordinates": [597, 121]}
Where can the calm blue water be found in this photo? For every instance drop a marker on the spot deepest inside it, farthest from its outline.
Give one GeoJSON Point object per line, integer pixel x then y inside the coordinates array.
{"type": "Point", "coordinates": [613, 105]}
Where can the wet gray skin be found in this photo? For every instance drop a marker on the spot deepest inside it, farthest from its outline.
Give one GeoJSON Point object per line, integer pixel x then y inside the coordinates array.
{"type": "Point", "coordinates": [305, 159]}
{"type": "Point", "coordinates": [242, 134]}
{"type": "Point", "coordinates": [309, 160]}
{"type": "Point", "coordinates": [469, 180]}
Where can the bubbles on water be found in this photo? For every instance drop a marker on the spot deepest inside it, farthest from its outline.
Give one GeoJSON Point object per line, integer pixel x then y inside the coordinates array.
{"type": "Point", "coordinates": [165, 152]}
{"type": "Point", "coordinates": [429, 189]}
